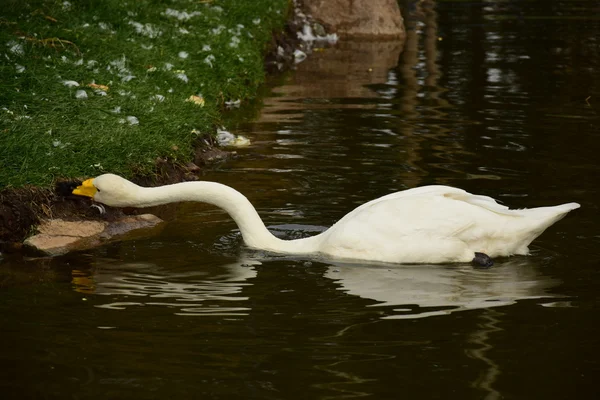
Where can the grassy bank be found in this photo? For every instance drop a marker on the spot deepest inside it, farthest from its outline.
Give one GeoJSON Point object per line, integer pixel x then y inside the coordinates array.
{"type": "Point", "coordinates": [105, 85]}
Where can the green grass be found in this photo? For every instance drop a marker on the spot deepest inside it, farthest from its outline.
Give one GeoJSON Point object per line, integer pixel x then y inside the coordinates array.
{"type": "Point", "coordinates": [135, 48]}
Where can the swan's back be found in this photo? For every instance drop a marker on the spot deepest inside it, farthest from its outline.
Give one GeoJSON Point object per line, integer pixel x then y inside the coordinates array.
{"type": "Point", "coordinates": [434, 224]}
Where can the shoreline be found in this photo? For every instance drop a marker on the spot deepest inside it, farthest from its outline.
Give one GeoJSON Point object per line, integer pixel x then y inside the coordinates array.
{"type": "Point", "coordinates": [23, 208]}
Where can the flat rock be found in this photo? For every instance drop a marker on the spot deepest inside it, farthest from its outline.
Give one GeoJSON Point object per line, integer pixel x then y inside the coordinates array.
{"type": "Point", "coordinates": [57, 236]}
{"type": "Point", "coordinates": [58, 227]}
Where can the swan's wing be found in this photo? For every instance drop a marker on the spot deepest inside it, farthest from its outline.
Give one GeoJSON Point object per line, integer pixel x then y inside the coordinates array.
{"type": "Point", "coordinates": [404, 229]}
{"type": "Point", "coordinates": [418, 225]}
{"type": "Point", "coordinates": [485, 202]}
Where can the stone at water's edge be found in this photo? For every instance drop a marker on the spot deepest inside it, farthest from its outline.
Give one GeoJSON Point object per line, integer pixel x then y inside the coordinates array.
{"type": "Point", "coordinates": [57, 236]}
{"type": "Point", "coordinates": [359, 18]}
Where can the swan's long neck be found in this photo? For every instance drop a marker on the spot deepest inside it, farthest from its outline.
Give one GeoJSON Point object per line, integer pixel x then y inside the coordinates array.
{"type": "Point", "coordinates": [251, 226]}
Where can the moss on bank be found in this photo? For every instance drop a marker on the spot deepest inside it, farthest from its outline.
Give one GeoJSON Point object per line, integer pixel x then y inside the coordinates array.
{"type": "Point", "coordinates": [104, 85]}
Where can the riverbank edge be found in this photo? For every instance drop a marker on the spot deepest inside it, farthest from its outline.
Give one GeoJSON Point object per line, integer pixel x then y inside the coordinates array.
{"type": "Point", "coordinates": [23, 209]}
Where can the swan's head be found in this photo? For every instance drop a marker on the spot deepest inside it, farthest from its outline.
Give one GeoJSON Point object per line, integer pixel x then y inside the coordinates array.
{"type": "Point", "coordinates": [111, 190]}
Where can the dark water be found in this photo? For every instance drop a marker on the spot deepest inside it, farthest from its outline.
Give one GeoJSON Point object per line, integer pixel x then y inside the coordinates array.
{"type": "Point", "coordinates": [496, 97]}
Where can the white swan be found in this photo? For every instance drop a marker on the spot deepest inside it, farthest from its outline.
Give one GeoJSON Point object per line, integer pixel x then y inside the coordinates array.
{"type": "Point", "coordinates": [430, 224]}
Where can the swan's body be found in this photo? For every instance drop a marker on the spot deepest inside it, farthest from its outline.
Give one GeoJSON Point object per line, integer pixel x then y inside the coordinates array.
{"type": "Point", "coordinates": [430, 224]}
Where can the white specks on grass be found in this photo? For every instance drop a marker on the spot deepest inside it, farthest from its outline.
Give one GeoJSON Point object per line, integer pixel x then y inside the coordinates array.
{"type": "Point", "coordinates": [66, 5]}
{"type": "Point", "coordinates": [184, 31]}
{"type": "Point", "coordinates": [183, 54]}
{"type": "Point", "coordinates": [209, 60]}
{"type": "Point", "coordinates": [126, 93]}
{"type": "Point", "coordinates": [218, 30]}
{"type": "Point", "coordinates": [146, 29]}
{"type": "Point", "coordinates": [78, 62]}
{"type": "Point", "coordinates": [182, 76]}
{"type": "Point", "coordinates": [116, 110]}
{"type": "Point", "coordinates": [19, 68]}
{"type": "Point", "coordinates": [147, 46]}
{"type": "Point", "coordinates": [81, 94]}
{"type": "Point", "coordinates": [91, 63]}
{"type": "Point", "coordinates": [181, 15]}
{"type": "Point", "coordinates": [119, 64]}
{"type": "Point", "coordinates": [122, 71]}
{"type": "Point", "coordinates": [206, 47]}
{"type": "Point", "coordinates": [127, 78]}
{"type": "Point", "coordinates": [16, 48]}
{"type": "Point", "coordinates": [158, 97]}
{"type": "Point", "coordinates": [130, 119]}
{"type": "Point", "coordinates": [70, 83]}
{"type": "Point", "coordinates": [256, 21]}
{"type": "Point", "coordinates": [235, 41]}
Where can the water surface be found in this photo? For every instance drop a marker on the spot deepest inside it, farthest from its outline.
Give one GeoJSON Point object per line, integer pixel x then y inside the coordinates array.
{"type": "Point", "coordinates": [498, 98]}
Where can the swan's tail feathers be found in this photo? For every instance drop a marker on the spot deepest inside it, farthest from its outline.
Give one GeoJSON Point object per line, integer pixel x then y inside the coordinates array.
{"type": "Point", "coordinates": [547, 216]}
{"type": "Point", "coordinates": [569, 207]}
{"type": "Point", "coordinates": [535, 221]}
{"type": "Point", "coordinates": [555, 211]}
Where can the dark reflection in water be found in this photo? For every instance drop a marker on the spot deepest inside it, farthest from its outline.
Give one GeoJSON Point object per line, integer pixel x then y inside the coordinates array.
{"type": "Point", "coordinates": [496, 97]}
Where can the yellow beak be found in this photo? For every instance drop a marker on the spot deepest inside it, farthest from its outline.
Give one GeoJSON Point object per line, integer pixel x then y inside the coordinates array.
{"type": "Point", "coordinates": [87, 188]}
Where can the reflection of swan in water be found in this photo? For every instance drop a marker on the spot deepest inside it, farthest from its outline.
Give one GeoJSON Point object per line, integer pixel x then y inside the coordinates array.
{"type": "Point", "coordinates": [481, 337]}
{"type": "Point", "coordinates": [424, 290]}
{"type": "Point", "coordinates": [146, 284]}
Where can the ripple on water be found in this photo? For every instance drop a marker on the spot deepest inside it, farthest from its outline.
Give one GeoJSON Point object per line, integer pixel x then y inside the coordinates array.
{"type": "Point", "coordinates": [206, 291]}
